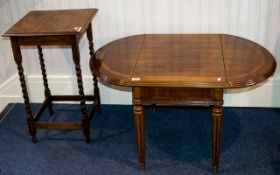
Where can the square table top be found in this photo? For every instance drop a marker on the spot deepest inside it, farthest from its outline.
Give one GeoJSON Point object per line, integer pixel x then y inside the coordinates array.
{"type": "Point", "coordinates": [52, 22]}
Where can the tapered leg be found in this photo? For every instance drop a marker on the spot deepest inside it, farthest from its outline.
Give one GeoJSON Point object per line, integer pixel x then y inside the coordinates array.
{"type": "Point", "coordinates": [18, 60]}
{"type": "Point", "coordinates": [95, 82]}
{"type": "Point", "coordinates": [216, 121]}
{"type": "Point", "coordinates": [85, 118]}
{"type": "Point", "coordinates": [43, 69]}
{"type": "Point", "coordinates": [139, 125]}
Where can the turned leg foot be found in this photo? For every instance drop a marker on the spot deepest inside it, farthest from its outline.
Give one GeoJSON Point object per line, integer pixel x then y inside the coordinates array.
{"type": "Point", "coordinates": [215, 169]}
{"type": "Point", "coordinates": [87, 139]}
{"type": "Point", "coordinates": [86, 130]}
{"type": "Point", "coordinates": [216, 121]}
{"type": "Point", "coordinates": [139, 125]}
{"type": "Point", "coordinates": [34, 139]}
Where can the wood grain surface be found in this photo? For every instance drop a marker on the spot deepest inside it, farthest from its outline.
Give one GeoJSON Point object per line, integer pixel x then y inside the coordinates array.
{"type": "Point", "coordinates": [183, 60]}
{"type": "Point", "coordinates": [53, 22]}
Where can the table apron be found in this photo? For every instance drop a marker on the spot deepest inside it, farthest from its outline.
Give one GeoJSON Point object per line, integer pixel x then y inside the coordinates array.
{"type": "Point", "coordinates": [46, 40]}
{"type": "Point", "coordinates": [178, 96]}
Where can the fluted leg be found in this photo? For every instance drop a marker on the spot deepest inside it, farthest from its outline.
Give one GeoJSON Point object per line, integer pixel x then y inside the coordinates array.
{"type": "Point", "coordinates": [43, 69]}
{"type": "Point", "coordinates": [95, 82]}
{"type": "Point", "coordinates": [216, 120]}
{"type": "Point", "coordinates": [138, 111]}
{"type": "Point", "coordinates": [85, 118]}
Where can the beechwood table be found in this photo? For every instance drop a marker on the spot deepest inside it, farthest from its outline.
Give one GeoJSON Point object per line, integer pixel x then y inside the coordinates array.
{"type": "Point", "coordinates": [182, 69]}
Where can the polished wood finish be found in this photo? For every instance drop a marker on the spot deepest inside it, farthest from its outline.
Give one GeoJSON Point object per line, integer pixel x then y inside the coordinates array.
{"type": "Point", "coordinates": [53, 23]}
{"type": "Point", "coordinates": [95, 82]}
{"type": "Point", "coordinates": [138, 111]}
{"type": "Point", "coordinates": [204, 60]}
{"type": "Point", "coordinates": [246, 62]}
{"type": "Point", "coordinates": [55, 27]}
{"type": "Point", "coordinates": [216, 122]}
{"type": "Point", "coordinates": [177, 96]}
{"type": "Point", "coordinates": [183, 69]}
{"type": "Point", "coordinates": [43, 69]}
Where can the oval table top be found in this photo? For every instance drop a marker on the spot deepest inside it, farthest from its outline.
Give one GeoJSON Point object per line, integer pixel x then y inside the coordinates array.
{"type": "Point", "coordinates": [183, 60]}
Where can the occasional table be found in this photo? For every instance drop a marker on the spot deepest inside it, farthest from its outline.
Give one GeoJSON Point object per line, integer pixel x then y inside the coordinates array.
{"type": "Point", "coordinates": [183, 69]}
{"type": "Point", "coordinates": [55, 27]}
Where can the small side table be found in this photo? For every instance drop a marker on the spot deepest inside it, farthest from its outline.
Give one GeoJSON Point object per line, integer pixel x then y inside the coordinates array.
{"type": "Point", "coordinates": [55, 27]}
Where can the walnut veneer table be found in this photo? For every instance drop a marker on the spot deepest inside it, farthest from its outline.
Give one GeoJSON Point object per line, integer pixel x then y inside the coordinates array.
{"type": "Point", "coordinates": [182, 69]}
{"type": "Point", "coordinates": [55, 27]}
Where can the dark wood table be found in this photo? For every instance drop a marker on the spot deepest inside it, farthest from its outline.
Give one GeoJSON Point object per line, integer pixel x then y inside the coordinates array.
{"type": "Point", "coordinates": [182, 70]}
{"type": "Point", "coordinates": [55, 27]}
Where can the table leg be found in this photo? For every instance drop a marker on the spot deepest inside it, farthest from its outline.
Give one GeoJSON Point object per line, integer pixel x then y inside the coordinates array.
{"type": "Point", "coordinates": [216, 120]}
{"type": "Point", "coordinates": [47, 90]}
{"type": "Point", "coordinates": [85, 118]}
{"type": "Point", "coordinates": [18, 60]}
{"type": "Point", "coordinates": [138, 111]}
{"type": "Point", "coordinates": [95, 83]}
